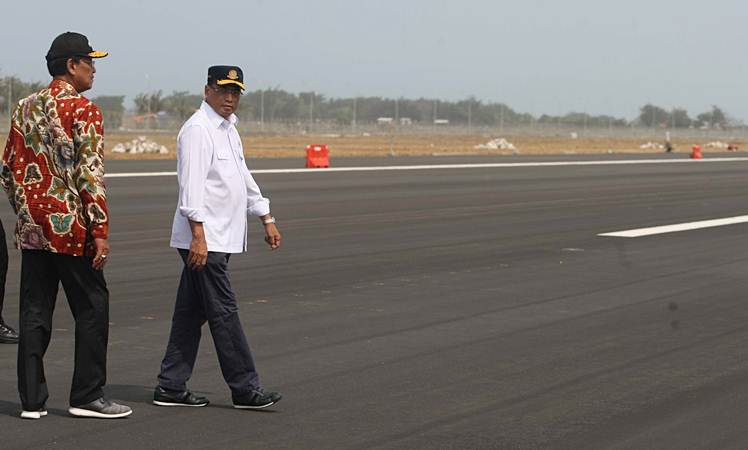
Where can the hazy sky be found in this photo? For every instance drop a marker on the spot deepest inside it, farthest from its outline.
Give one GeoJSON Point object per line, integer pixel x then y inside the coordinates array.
{"type": "Point", "coordinates": [539, 56]}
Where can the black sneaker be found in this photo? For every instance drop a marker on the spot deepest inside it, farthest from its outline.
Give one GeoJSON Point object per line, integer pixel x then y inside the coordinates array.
{"type": "Point", "coordinates": [7, 334]}
{"type": "Point", "coordinates": [164, 397]}
{"type": "Point", "coordinates": [102, 409]}
{"type": "Point", "coordinates": [257, 399]}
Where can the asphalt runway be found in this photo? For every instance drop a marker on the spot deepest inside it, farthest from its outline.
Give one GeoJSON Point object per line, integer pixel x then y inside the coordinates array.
{"type": "Point", "coordinates": [461, 309]}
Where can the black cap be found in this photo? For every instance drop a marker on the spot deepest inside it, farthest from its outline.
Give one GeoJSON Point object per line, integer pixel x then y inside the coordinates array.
{"type": "Point", "coordinates": [70, 45]}
{"type": "Point", "coordinates": [223, 75]}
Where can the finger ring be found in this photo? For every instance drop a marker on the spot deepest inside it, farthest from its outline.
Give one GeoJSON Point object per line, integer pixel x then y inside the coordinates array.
{"type": "Point", "coordinates": [103, 256]}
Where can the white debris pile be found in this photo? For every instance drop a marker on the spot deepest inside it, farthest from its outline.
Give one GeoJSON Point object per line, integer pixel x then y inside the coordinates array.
{"type": "Point", "coordinates": [140, 145]}
{"type": "Point", "coordinates": [651, 146]}
{"type": "Point", "coordinates": [497, 144]}
{"type": "Point", "coordinates": [717, 144]}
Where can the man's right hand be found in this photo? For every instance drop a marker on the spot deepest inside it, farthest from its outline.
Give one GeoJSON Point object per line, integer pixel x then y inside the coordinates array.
{"type": "Point", "coordinates": [198, 255]}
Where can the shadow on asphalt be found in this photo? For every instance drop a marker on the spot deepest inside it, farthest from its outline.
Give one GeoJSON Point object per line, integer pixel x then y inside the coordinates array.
{"type": "Point", "coordinates": [13, 409]}
{"type": "Point", "coordinates": [9, 408]}
{"type": "Point", "coordinates": [129, 393]}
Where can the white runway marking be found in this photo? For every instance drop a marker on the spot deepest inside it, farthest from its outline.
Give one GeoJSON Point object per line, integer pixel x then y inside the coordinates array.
{"type": "Point", "coordinates": [639, 232]}
{"type": "Point", "coordinates": [455, 166]}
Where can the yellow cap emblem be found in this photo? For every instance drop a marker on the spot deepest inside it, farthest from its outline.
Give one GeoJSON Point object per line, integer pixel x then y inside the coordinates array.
{"type": "Point", "coordinates": [232, 75]}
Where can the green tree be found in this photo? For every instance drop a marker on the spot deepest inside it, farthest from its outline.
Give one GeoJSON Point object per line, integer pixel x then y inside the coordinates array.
{"type": "Point", "coordinates": [679, 118]}
{"type": "Point", "coordinates": [181, 104]}
{"type": "Point", "coordinates": [653, 116]}
{"type": "Point", "coordinates": [149, 103]}
{"type": "Point", "coordinates": [112, 108]}
{"type": "Point", "coordinates": [716, 118]}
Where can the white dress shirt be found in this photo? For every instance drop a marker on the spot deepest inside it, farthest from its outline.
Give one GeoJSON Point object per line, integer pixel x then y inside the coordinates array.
{"type": "Point", "coordinates": [215, 186]}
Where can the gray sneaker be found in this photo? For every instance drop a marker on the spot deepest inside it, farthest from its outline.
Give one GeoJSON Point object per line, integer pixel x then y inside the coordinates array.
{"type": "Point", "coordinates": [102, 409]}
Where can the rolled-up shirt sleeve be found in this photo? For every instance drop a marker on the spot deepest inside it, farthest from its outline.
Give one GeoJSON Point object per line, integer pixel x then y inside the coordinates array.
{"type": "Point", "coordinates": [257, 205]}
{"type": "Point", "coordinates": [195, 152]}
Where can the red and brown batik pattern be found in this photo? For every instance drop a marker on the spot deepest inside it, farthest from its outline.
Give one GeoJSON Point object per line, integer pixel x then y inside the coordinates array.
{"type": "Point", "coordinates": [53, 171]}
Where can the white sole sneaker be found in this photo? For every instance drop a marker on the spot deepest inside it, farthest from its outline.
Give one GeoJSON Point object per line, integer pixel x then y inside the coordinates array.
{"type": "Point", "coordinates": [158, 403]}
{"type": "Point", "coordinates": [254, 407]}
{"type": "Point", "coordinates": [33, 415]}
{"type": "Point", "coordinates": [79, 412]}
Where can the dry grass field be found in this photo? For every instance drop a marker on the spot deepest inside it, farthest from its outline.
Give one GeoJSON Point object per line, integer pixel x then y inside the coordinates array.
{"type": "Point", "coordinates": [410, 145]}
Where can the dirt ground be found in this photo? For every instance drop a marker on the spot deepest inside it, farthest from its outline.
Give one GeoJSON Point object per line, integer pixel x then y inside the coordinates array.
{"type": "Point", "coordinates": [411, 145]}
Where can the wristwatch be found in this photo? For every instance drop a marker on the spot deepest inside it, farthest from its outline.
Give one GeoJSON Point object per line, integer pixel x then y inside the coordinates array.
{"type": "Point", "coordinates": [268, 221]}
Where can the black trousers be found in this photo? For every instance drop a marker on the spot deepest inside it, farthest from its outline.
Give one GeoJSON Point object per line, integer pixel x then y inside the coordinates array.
{"type": "Point", "coordinates": [88, 297]}
{"type": "Point", "coordinates": [202, 296]}
{"type": "Point", "coordinates": [3, 267]}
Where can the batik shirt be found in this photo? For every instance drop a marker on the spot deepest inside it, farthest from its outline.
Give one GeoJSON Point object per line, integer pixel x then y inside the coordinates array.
{"type": "Point", "coordinates": [53, 172]}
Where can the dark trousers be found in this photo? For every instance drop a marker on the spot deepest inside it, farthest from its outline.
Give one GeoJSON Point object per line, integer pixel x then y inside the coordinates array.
{"type": "Point", "coordinates": [88, 297]}
{"type": "Point", "coordinates": [3, 267]}
{"type": "Point", "coordinates": [202, 296]}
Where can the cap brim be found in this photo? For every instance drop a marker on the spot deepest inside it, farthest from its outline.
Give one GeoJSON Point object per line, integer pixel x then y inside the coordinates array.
{"type": "Point", "coordinates": [97, 54]}
{"type": "Point", "coordinates": [224, 82]}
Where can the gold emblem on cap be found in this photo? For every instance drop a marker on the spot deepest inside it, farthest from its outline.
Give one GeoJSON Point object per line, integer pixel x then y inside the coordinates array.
{"type": "Point", "coordinates": [232, 75]}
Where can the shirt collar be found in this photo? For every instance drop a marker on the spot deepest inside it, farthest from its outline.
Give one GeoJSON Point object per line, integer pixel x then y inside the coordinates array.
{"type": "Point", "coordinates": [62, 85]}
{"type": "Point", "coordinates": [216, 119]}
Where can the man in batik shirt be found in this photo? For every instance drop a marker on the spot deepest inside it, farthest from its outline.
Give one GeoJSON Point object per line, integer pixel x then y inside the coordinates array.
{"type": "Point", "coordinates": [52, 171]}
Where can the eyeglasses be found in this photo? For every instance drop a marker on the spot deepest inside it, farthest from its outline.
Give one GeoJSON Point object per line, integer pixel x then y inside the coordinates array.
{"type": "Point", "coordinates": [88, 61]}
{"type": "Point", "coordinates": [222, 90]}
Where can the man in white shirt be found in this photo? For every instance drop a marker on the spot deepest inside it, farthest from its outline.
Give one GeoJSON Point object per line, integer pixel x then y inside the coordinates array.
{"type": "Point", "coordinates": [216, 191]}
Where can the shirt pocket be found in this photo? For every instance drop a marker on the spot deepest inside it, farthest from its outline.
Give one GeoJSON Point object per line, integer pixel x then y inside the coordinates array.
{"type": "Point", "coordinates": [223, 153]}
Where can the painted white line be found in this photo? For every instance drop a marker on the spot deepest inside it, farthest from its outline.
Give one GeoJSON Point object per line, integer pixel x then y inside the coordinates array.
{"type": "Point", "coordinates": [140, 174]}
{"type": "Point", "coordinates": [456, 166]}
{"type": "Point", "coordinates": [639, 232]}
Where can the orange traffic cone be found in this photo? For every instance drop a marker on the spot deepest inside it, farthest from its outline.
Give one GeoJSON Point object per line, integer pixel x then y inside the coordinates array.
{"type": "Point", "coordinates": [696, 152]}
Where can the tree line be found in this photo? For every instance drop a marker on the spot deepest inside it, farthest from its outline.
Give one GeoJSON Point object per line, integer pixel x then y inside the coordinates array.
{"type": "Point", "coordinates": [657, 117]}
{"type": "Point", "coordinates": [278, 105]}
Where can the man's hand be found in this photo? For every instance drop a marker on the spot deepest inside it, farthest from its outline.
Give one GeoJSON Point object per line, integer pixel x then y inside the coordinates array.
{"type": "Point", "coordinates": [272, 236]}
{"type": "Point", "coordinates": [198, 255]}
{"type": "Point", "coordinates": [102, 253]}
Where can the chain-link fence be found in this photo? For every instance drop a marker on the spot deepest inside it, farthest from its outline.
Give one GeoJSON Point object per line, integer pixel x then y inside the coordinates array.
{"type": "Point", "coordinates": [133, 124]}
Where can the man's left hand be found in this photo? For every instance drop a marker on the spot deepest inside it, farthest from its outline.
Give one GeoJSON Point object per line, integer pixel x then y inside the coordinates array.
{"type": "Point", "coordinates": [272, 236]}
